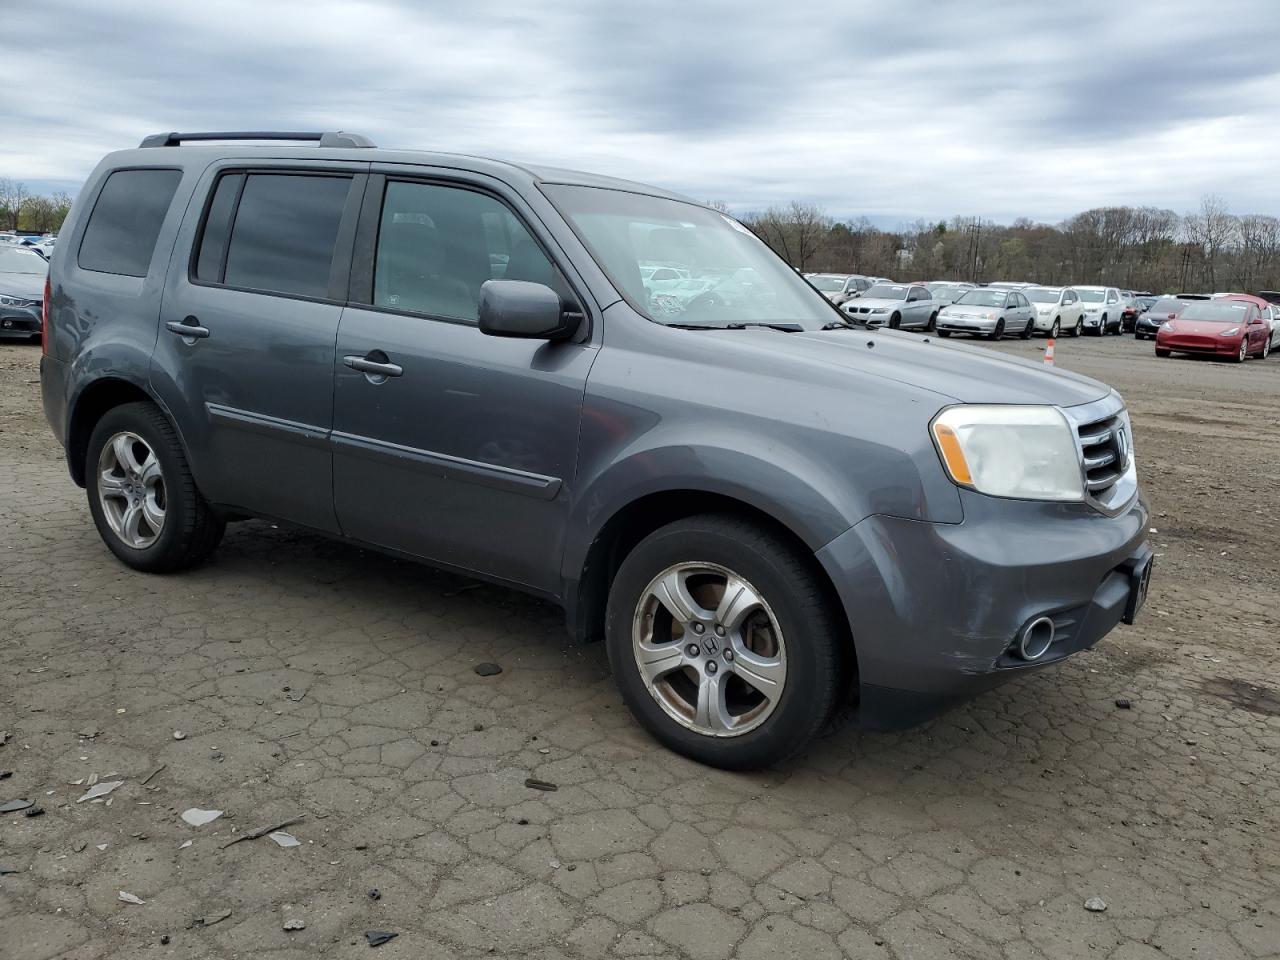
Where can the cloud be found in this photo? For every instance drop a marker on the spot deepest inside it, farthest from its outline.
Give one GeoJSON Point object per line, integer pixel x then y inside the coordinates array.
{"type": "Point", "coordinates": [919, 108]}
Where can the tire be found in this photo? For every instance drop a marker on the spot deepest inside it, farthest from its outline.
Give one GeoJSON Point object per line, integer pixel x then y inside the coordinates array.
{"type": "Point", "coordinates": [932, 324]}
{"type": "Point", "coordinates": [1243, 354]}
{"type": "Point", "coordinates": [173, 527]}
{"type": "Point", "coordinates": [1078, 329]}
{"type": "Point", "coordinates": [944, 333]}
{"type": "Point", "coordinates": [1056, 328]}
{"type": "Point", "coordinates": [998, 332]}
{"type": "Point", "coordinates": [1266, 349]}
{"type": "Point", "coordinates": [1161, 352]}
{"type": "Point", "coordinates": [698, 552]}
{"type": "Point", "coordinates": [895, 321]}
{"type": "Point", "coordinates": [1026, 331]}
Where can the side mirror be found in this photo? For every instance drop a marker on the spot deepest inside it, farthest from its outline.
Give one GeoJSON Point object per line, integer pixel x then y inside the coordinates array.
{"type": "Point", "coordinates": [518, 308]}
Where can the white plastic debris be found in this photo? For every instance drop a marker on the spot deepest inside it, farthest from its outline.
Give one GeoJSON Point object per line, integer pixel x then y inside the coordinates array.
{"type": "Point", "coordinates": [283, 839]}
{"type": "Point", "coordinates": [184, 844]}
{"type": "Point", "coordinates": [1095, 904]}
{"type": "Point", "coordinates": [130, 898]}
{"type": "Point", "coordinates": [198, 818]}
{"type": "Point", "coordinates": [100, 790]}
{"type": "Point", "coordinates": [101, 846]}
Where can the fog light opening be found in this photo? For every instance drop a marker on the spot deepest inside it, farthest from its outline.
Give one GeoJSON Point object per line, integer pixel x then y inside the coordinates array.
{"type": "Point", "coordinates": [1036, 639]}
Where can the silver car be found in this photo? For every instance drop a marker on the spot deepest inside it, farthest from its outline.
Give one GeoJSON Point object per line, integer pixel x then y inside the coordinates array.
{"type": "Point", "coordinates": [988, 312]}
{"type": "Point", "coordinates": [838, 287]}
{"type": "Point", "coordinates": [895, 305]}
{"type": "Point", "coordinates": [949, 291]}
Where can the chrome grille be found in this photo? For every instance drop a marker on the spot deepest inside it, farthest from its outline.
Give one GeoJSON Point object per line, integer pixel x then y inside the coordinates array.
{"type": "Point", "coordinates": [1105, 449]}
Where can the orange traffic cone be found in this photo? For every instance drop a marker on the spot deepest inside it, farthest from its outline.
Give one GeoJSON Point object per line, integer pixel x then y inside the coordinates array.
{"type": "Point", "coordinates": [1048, 353]}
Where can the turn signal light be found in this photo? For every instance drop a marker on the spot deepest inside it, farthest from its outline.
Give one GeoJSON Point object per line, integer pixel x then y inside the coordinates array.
{"type": "Point", "coordinates": [949, 444]}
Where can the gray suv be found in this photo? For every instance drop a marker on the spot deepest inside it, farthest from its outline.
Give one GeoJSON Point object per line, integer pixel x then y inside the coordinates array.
{"type": "Point", "coordinates": [764, 508]}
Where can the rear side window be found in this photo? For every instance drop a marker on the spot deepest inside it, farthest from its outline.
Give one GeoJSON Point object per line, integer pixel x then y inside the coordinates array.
{"type": "Point", "coordinates": [273, 232]}
{"type": "Point", "coordinates": [120, 236]}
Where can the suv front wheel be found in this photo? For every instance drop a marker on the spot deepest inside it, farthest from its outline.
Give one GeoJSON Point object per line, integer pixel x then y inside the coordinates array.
{"type": "Point", "coordinates": [142, 496]}
{"type": "Point", "coordinates": [723, 642]}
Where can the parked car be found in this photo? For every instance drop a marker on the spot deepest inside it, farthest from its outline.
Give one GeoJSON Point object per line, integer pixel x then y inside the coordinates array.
{"type": "Point", "coordinates": [1102, 309]}
{"type": "Point", "coordinates": [948, 291]}
{"type": "Point", "coordinates": [988, 312]}
{"type": "Point", "coordinates": [1010, 284]}
{"type": "Point", "coordinates": [895, 305]}
{"type": "Point", "coordinates": [755, 502]}
{"type": "Point", "coordinates": [1130, 308]}
{"type": "Point", "coordinates": [1223, 327]}
{"type": "Point", "coordinates": [22, 276]}
{"type": "Point", "coordinates": [1149, 321]}
{"type": "Point", "coordinates": [839, 287]}
{"type": "Point", "coordinates": [1057, 309]}
{"type": "Point", "coordinates": [1270, 314]}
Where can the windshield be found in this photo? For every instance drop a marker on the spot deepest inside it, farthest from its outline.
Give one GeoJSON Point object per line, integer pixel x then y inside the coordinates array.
{"type": "Point", "coordinates": [982, 298]}
{"type": "Point", "coordinates": [21, 261]}
{"type": "Point", "coordinates": [1090, 296]}
{"type": "Point", "coordinates": [828, 284]}
{"type": "Point", "coordinates": [746, 281]}
{"type": "Point", "coordinates": [1216, 311]}
{"type": "Point", "coordinates": [1168, 305]}
{"type": "Point", "coordinates": [886, 291]}
{"type": "Point", "coordinates": [1043, 295]}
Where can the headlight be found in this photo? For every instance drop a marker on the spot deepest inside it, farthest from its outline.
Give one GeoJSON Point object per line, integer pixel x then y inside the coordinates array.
{"type": "Point", "coordinates": [12, 301]}
{"type": "Point", "coordinates": [1026, 452]}
{"type": "Point", "coordinates": [1230, 333]}
{"type": "Point", "coordinates": [989, 316]}
{"type": "Point", "coordinates": [880, 310]}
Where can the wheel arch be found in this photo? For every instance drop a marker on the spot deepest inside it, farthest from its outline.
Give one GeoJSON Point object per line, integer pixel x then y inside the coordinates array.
{"type": "Point", "coordinates": [90, 405]}
{"type": "Point", "coordinates": [587, 593]}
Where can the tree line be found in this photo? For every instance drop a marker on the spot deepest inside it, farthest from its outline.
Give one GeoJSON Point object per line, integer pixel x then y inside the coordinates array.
{"type": "Point", "coordinates": [22, 210]}
{"type": "Point", "coordinates": [1140, 248]}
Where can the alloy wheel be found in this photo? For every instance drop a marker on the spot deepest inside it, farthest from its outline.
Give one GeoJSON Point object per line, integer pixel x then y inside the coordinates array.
{"type": "Point", "coordinates": [131, 490]}
{"type": "Point", "coordinates": [709, 649]}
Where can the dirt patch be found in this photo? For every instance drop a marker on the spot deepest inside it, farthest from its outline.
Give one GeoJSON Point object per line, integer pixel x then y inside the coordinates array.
{"type": "Point", "coordinates": [1255, 697]}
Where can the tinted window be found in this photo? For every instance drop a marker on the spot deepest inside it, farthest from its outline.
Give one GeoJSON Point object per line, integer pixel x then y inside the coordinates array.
{"type": "Point", "coordinates": [284, 233]}
{"type": "Point", "coordinates": [122, 230]}
{"type": "Point", "coordinates": [437, 245]}
{"type": "Point", "coordinates": [217, 228]}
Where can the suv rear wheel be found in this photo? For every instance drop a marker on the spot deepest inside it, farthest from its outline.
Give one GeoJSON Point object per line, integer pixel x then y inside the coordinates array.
{"type": "Point", "coordinates": [723, 642]}
{"type": "Point", "coordinates": [142, 496]}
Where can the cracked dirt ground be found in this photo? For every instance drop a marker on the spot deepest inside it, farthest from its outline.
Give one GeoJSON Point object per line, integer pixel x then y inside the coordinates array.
{"type": "Point", "coordinates": [312, 678]}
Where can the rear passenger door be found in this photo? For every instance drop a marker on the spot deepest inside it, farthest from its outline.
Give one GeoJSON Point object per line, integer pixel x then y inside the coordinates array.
{"type": "Point", "coordinates": [464, 451]}
{"type": "Point", "coordinates": [244, 358]}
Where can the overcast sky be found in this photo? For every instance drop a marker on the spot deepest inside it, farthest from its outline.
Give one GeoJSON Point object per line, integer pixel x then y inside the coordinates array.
{"type": "Point", "coordinates": [1001, 108]}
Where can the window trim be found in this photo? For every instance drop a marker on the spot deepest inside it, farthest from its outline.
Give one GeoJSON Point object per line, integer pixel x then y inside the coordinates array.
{"type": "Point", "coordinates": [339, 265]}
{"type": "Point", "coordinates": [364, 256]}
{"type": "Point", "coordinates": [98, 197]}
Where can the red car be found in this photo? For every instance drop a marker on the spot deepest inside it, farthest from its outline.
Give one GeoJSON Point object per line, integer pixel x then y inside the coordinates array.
{"type": "Point", "coordinates": [1230, 326]}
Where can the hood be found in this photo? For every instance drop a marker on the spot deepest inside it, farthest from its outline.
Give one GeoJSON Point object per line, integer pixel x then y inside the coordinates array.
{"type": "Point", "coordinates": [1206, 328]}
{"type": "Point", "coordinates": [878, 303]}
{"type": "Point", "coordinates": [29, 286]}
{"type": "Point", "coordinates": [955, 372]}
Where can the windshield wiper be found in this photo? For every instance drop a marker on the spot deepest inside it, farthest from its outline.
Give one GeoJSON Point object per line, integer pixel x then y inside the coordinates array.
{"type": "Point", "coordinates": [784, 327]}
{"type": "Point", "coordinates": [846, 325]}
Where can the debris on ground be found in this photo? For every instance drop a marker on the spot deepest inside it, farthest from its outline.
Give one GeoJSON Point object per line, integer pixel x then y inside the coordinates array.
{"type": "Point", "coordinates": [375, 894]}
{"type": "Point", "coordinates": [1095, 904]}
{"type": "Point", "coordinates": [5, 774]}
{"type": "Point", "coordinates": [78, 846]}
{"type": "Point", "coordinates": [264, 831]}
{"type": "Point", "coordinates": [184, 844]}
{"type": "Point", "coordinates": [488, 669]}
{"type": "Point", "coordinates": [179, 735]}
{"type": "Point", "coordinates": [164, 940]}
{"type": "Point", "coordinates": [12, 806]}
{"type": "Point", "coordinates": [534, 784]}
{"type": "Point", "coordinates": [377, 938]}
{"type": "Point", "coordinates": [295, 925]}
{"type": "Point", "coordinates": [283, 839]}
{"type": "Point", "coordinates": [196, 817]}
{"type": "Point", "coordinates": [1123, 703]}
{"type": "Point", "coordinates": [148, 778]}
{"type": "Point", "coordinates": [209, 919]}
{"type": "Point", "coordinates": [100, 790]}
{"type": "Point", "coordinates": [5, 868]}
{"type": "Point", "coordinates": [34, 812]}
{"type": "Point", "coordinates": [100, 846]}
{"type": "Point", "coordinates": [130, 898]}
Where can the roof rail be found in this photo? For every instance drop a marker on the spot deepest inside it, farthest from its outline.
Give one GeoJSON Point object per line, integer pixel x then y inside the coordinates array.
{"type": "Point", "coordinates": [336, 139]}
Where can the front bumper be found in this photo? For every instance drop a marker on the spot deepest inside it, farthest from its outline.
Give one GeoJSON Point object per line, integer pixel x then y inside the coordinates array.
{"type": "Point", "coordinates": [1196, 343]}
{"type": "Point", "coordinates": [20, 320]}
{"type": "Point", "coordinates": [1092, 321]}
{"type": "Point", "coordinates": [934, 608]}
{"type": "Point", "coordinates": [955, 324]}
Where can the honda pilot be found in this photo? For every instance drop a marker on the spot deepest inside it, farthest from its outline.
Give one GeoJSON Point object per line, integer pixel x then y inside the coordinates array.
{"type": "Point", "coordinates": [766, 509]}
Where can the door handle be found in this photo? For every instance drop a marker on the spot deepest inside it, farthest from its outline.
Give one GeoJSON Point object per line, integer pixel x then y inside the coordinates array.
{"type": "Point", "coordinates": [373, 367]}
{"type": "Point", "coordinates": [188, 327]}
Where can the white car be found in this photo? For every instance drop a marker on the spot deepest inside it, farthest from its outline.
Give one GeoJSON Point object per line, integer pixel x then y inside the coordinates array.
{"type": "Point", "coordinates": [895, 305]}
{"type": "Point", "coordinates": [1057, 309]}
{"type": "Point", "coordinates": [988, 312]}
{"type": "Point", "coordinates": [1103, 310]}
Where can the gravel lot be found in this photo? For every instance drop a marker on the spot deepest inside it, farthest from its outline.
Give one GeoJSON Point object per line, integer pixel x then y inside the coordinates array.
{"type": "Point", "coordinates": [312, 679]}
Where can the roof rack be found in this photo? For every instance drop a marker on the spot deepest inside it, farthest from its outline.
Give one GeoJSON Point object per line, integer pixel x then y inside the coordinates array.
{"type": "Point", "coordinates": [336, 139]}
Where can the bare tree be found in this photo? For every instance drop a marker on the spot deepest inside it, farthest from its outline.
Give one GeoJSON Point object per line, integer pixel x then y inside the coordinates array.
{"type": "Point", "coordinates": [795, 231]}
{"type": "Point", "coordinates": [1211, 230]}
{"type": "Point", "coordinates": [13, 195]}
